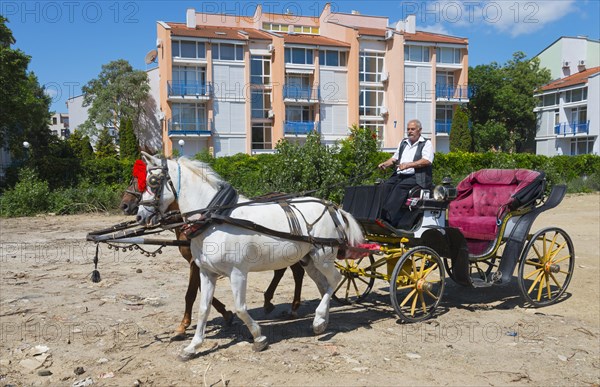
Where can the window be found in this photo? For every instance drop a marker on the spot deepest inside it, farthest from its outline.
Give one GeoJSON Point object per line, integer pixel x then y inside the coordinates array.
{"type": "Point", "coordinates": [332, 58]}
{"type": "Point", "coordinates": [377, 127]}
{"type": "Point", "coordinates": [189, 74]}
{"type": "Point", "coordinates": [306, 30]}
{"type": "Point", "coordinates": [448, 55]}
{"type": "Point", "coordinates": [370, 101]}
{"type": "Point", "coordinates": [443, 78]}
{"type": "Point", "coordinates": [299, 55]}
{"type": "Point", "coordinates": [188, 49]}
{"type": "Point", "coordinates": [299, 114]}
{"type": "Point", "coordinates": [228, 51]}
{"type": "Point", "coordinates": [582, 146]}
{"type": "Point", "coordinates": [54, 121]}
{"type": "Point", "coordinates": [416, 53]}
{"type": "Point", "coordinates": [189, 117]}
{"type": "Point", "coordinates": [260, 70]}
{"type": "Point", "coordinates": [261, 136]}
{"type": "Point", "coordinates": [550, 99]}
{"type": "Point", "coordinates": [576, 95]}
{"type": "Point", "coordinates": [261, 103]}
{"type": "Point", "coordinates": [275, 27]}
{"type": "Point", "coordinates": [370, 67]}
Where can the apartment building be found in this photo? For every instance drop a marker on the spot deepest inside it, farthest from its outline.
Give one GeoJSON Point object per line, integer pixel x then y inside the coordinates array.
{"type": "Point", "coordinates": [568, 120]}
{"type": "Point", "coordinates": [59, 125]}
{"type": "Point", "coordinates": [231, 84]}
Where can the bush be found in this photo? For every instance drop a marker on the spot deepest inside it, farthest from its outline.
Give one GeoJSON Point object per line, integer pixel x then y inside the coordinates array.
{"type": "Point", "coordinates": [29, 196]}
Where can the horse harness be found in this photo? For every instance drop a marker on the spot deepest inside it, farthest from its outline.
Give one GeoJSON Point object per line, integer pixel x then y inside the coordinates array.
{"type": "Point", "coordinates": [224, 202]}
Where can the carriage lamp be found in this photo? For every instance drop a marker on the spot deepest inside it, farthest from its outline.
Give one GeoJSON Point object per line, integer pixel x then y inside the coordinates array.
{"type": "Point", "coordinates": [446, 191]}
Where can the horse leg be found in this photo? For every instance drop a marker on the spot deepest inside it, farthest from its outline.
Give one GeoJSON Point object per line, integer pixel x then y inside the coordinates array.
{"type": "Point", "coordinates": [239, 281]}
{"type": "Point", "coordinates": [321, 268]}
{"type": "Point", "coordinates": [190, 297]}
{"type": "Point", "coordinates": [298, 272]}
{"type": "Point", "coordinates": [277, 275]}
{"type": "Point", "coordinates": [208, 281]}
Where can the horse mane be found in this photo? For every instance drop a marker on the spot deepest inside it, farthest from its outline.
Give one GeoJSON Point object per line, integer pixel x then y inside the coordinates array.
{"type": "Point", "coordinates": [203, 170]}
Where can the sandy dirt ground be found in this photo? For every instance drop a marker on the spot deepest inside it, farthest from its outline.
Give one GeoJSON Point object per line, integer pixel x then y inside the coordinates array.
{"type": "Point", "coordinates": [59, 328]}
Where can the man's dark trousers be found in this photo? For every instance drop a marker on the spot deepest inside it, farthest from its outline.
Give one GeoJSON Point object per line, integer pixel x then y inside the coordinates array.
{"type": "Point", "coordinates": [397, 187]}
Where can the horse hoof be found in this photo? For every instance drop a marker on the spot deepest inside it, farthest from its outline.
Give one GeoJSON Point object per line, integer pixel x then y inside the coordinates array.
{"type": "Point", "coordinates": [185, 356]}
{"type": "Point", "coordinates": [268, 307]}
{"type": "Point", "coordinates": [260, 344]}
{"type": "Point", "coordinates": [319, 327]}
{"type": "Point", "coordinates": [228, 316]}
{"type": "Point", "coordinates": [179, 336]}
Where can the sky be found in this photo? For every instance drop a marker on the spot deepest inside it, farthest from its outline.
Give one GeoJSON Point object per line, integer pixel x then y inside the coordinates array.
{"type": "Point", "coordinates": [70, 40]}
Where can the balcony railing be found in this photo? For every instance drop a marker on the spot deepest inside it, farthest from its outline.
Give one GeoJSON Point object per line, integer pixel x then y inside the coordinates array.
{"type": "Point", "coordinates": [182, 89]}
{"type": "Point", "coordinates": [574, 127]}
{"type": "Point", "coordinates": [443, 126]}
{"type": "Point", "coordinates": [184, 128]}
{"type": "Point", "coordinates": [301, 92]}
{"type": "Point", "coordinates": [297, 127]}
{"type": "Point", "coordinates": [453, 92]}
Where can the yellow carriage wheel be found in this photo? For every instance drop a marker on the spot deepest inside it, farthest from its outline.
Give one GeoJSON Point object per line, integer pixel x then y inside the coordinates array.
{"type": "Point", "coordinates": [417, 284]}
{"type": "Point", "coordinates": [546, 266]}
{"type": "Point", "coordinates": [358, 277]}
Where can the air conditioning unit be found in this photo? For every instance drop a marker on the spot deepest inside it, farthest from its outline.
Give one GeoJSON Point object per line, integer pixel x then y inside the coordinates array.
{"type": "Point", "coordinates": [383, 111]}
{"type": "Point", "coordinates": [161, 115]}
{"type": "Point", "coordinates": [385, 76]}
{"type": "Point", "coordinates": [581, 63]}
{"type": "Point", "coordinates": [271, 114]}
{"type": "Point", "coordinates": [389, 34]}
{"type": "Point", "coordinates": [271, 48]}
{"type": "Point", "coordinates": [158, 43]}
{"type": "Point", "coordinates": [566, 63]}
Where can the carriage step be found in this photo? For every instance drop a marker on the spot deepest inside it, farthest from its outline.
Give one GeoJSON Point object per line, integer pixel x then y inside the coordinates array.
{"type": "Point", "coordinates": [479, 283]}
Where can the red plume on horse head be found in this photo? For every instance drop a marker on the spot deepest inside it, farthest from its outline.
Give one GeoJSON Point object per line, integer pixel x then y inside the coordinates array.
{"type": "Point", "coordinates": [139, 172]}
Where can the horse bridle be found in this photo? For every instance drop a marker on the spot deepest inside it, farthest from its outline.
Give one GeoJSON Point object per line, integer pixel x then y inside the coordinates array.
{"type": "Point", "coordinates": [156, 184]}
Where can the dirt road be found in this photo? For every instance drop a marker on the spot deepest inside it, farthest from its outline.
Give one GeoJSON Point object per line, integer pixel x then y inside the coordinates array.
{"type": "Point", "coordinates": [53, 319]}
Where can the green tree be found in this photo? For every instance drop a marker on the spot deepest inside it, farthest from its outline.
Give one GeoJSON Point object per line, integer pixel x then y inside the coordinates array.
{"type": "Point", "coordinates": [359, 155]}
{"type": "Point", "coordinates": [504, 98]}
{"type": "Point", "coordinates": [117, 95]}
{"type": "Point", "coordinates": [460, 133]}
{"type": "Point", "coordinates": [24, 107]}
{"type": "Point", "coordinates": [128, 142]}
{"type": "Point", "coordinates": [81, 146]}
{"type": "Point", "coordinates": [105, 146]}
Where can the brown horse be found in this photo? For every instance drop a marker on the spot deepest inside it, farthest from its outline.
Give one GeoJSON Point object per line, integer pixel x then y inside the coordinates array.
{"type": "Point", "coordinates": [129, 206]}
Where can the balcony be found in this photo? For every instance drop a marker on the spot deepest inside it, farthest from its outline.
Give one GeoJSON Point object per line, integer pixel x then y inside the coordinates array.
{"type": "Point", "coordinates": [573, 128]}
{"type": "Point", "coordinates": [443, 126]}
{"type": "Point", "coordinates": [300, 128]}
{"type": "Point", "coordinates": [453, 93]}
{"type": "Point", "coordinates": [189, 90]}
{"type": "Point", "coordinates": [293, 93]}
{"type": "Point", "coordinates": [199, 128]}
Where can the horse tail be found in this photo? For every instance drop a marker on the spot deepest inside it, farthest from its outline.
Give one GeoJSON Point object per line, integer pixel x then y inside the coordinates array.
{"type": "Point", "coordinates": [353, 230]}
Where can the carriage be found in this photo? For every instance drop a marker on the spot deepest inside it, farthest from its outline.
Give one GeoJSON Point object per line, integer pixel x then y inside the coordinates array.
{"type": "Point", "coordinates": [476, 233]}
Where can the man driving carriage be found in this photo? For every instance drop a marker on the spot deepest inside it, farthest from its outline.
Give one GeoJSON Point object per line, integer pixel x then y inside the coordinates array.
{"type": "Point", "coordinates": [413, 160]}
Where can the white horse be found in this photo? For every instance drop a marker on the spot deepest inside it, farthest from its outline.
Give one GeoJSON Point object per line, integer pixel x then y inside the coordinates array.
{"type": "Point", "coordinates": [224, 249]}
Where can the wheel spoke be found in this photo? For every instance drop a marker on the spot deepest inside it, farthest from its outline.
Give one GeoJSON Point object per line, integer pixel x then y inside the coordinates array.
{"type": "Point", "coordinates": [407, 297]}
{"type": "Point", "coordinates": [536, 251]}
{"type": "Point", "coordinates": [423, 304]}
{"type": "Point", "coordinates": [431, 294]}
{"type": "Point", "coordinates": [555, 281]}
{"type": "Point", "coordinates": [535, 282]}
{"type": "Point", "coordinates": [429, 270]}
{"type": "Point", "coordinates": [532, 273]}
{"type": "Point", "coordinates": [541, 286]}
{"type": "Point", "coordinates": [344, 279]}
{"type": "Point", "coordinates": [562, 259]}
{"type": "Point", "coordinates": [536, 264]}
{"type": "Point", "coordinates": [422, 266]}
{"type": "Point", "coordinates": [414, 305]}
{"type": "Point", "coordinates": [548, 288]}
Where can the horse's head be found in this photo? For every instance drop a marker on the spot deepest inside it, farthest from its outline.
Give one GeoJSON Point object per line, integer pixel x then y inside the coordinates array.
{"type": "Point", "coordinates": [133, 193]}
{"type": "Point", "coordinates": [160, 192]}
